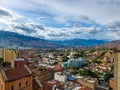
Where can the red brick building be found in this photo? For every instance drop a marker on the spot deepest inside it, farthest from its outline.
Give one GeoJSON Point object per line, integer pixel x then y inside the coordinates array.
{"type": "Point", "coordinates": [16, 78]}
{"type": "Point", "coordinates": [17, 62]}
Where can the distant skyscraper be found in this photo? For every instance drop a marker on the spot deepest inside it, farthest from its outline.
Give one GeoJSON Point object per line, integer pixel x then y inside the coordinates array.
{"type": "Point", "coordinates": [117, 71]}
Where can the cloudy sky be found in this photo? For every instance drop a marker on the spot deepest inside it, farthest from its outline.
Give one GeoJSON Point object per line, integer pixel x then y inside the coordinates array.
{"type": "Point", "coordinates": [62, 19]}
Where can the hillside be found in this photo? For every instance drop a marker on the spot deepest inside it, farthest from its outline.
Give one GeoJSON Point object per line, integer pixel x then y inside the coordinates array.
{"type": "Point", "coordinates": [111, 44]}
{"type": "Point", "coordinates": [10, 39]}
{"type": "Point", "coordinates": [80, 42]}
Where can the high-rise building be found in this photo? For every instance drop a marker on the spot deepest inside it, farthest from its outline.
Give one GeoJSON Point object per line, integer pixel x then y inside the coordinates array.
{"type": "Point", "coordinates": [117, 71]}
{"type": "Point", "coordinates": [8, 55]}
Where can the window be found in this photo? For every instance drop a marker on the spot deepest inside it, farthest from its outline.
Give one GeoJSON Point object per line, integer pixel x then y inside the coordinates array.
{"type": "Point", "coordinates": [19, 84]}
{"type": "Point", "coordinates": [26, 82]}
{"type": "Point", "coordinates": [12, 88]}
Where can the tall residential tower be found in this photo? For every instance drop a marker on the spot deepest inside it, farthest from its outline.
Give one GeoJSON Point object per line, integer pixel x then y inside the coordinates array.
{"type": "Point", "coordinates": [117, 71]}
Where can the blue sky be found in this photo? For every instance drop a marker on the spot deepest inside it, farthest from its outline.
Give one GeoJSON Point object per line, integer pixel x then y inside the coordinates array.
{"type": "Point", "coordinates": [62, 19]}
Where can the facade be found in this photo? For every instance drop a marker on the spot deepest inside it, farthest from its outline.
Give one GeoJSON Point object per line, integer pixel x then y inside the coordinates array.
{"type": "Point", "coordinates": [19, 78]}
{"type": "Point", "coordinates": [17, 62]}
{"type": "Point", "coordinates": [89, 83]}
{"type": "Point", "coordinates": [1, 54]}
{"type": "Point", "coordinates": [111, 83]}
{"type": "Point", "coordinates": [8, 55]}
{"type": "Point", "coordinates": [74, 62]}
{"type": "Point", "coordinates": [59, 76]}
{"type": "Point", "coordinates": [116, 71]}
{"type": "Point", "coordinates": [37, 85]}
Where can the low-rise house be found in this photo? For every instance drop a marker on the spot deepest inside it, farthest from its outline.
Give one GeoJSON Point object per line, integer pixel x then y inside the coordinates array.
{"type": "Point", "coordinates": [43, 75]}
{"type": "Point", "coordinates": [89, 82]}
{"type": "Point", "coordinates": [19, 78]}
{"type": "Point", "coordinates": [60, 76]}
{"type": "Point", "coordinates": [111, 83]}
{"type": "Point", "coordinates": [17, 62]}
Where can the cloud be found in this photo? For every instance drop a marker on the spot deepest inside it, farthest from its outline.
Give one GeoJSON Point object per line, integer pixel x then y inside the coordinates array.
{"type": "Point", "coordinates": [116, 2]}
{"type": "Point", "coordinates": [4, 12]}
{"type": "Point", "coordinates": [62, 19]}
{"type": "Point", "coordinates": [8, 17]}
{"type": "Point", "coordinates": [41, 31]}
{"type": "Point", "coordinates": [114, 25]}
{"type": "Point", "coordinates": [35, 29]}
{"type": "Point", "coordinates": [96, 10]}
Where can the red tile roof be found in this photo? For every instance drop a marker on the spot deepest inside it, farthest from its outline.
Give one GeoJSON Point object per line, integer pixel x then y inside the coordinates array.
{"type": "Point", "coordinates": [16, 73]}
{"type": "Point", "coordinates": [85, 88]}
{"type": "Point", "coordinates": [58, 68]}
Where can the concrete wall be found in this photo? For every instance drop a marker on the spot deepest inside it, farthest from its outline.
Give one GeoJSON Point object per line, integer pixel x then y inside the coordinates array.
{"type": "Point", "coordinates": [85, 83]}
{"type": "Point", "coordinates": [116, 71]}
{"type": "Point", "coordinates": [1, 54]}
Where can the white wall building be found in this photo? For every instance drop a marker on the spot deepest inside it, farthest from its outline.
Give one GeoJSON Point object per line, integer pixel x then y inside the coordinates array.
{"type": "Point", "coordinates": [61, 77]}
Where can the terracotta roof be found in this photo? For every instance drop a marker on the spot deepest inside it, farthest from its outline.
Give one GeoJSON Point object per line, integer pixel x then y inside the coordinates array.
{"type": "Point", "coordinates": [85, 88]}
{"type": "Point", "coordinates": [15, 73]}
{"type": "Point", "coordinates": [58, 68]}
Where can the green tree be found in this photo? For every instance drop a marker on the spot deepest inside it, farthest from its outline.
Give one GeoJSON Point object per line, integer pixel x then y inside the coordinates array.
{"type": "Point", "coordinates": [74, 72]}
{"type": "Point", "coordinates": [87, 72]}
{"type": "Point", "coordinates": [42, 69]}
{"type": "Point", "coordinates": [107, 76]}
{"type": "Point", "coordinates": [6, 64]}
{"type": "Point", "coordinates": [65, 59]}
{"type": "Point", "coordinates": [96, 61]}
{"type": "Point", "coordinates": [71, 67]}
{"type": "Point", "coordinates": [92, 50]}
{"type": "Point", "coordinates": [1, 59]}
{"type": "Point", "coordinates": [82, 53]}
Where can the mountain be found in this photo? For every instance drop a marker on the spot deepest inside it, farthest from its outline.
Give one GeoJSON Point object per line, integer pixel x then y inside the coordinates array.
{"type": "Point", "coordinates": [111, 44]}
{"type": "Point", "coordinates": [80, 42]}
{"type": "Point", "coordinates": [10, 39]}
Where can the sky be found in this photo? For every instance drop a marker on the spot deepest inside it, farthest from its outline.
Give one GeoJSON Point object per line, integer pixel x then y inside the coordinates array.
{"type": "Point", "coordinates": [62, 19]}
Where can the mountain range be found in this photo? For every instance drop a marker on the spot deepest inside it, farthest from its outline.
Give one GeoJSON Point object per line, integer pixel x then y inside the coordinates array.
{"type": "Point", "coordinates": [80, 42]}
{"type": "Point", "coordinates": [11, 39]}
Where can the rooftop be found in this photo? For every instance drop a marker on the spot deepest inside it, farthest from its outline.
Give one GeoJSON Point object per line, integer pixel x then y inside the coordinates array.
{"type": "Point", "coordinates": [15, 73]}
{"type": "Point", "coordinates": [18, 59]}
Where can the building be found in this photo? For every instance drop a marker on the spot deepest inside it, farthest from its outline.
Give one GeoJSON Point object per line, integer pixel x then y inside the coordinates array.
{"type": "Point", "coordinates": [8, 55]}
{"type": "Point", "coordinates": [61, 77]}
{"type": "Point", "coordinates": [44, 75]}
{"type": "Point", "coordinates": [1, 52]}
{"type": "Point", "coordinates": [77, 62]}
{"type": "Point", "coordinates": [19, 78]}
{"type": "Point", "coordinates": [89, 82]}
{"type": "Point", "coordinates": [85, 88]}
{"type": "Point", "coordinates": [37, 85]}
{"type": "Point", "coordinates": [17, 62]}
{"type": "Point", "coordinates": [111, 83]}
{"type": "Point", "coordinates": [116, 71]}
